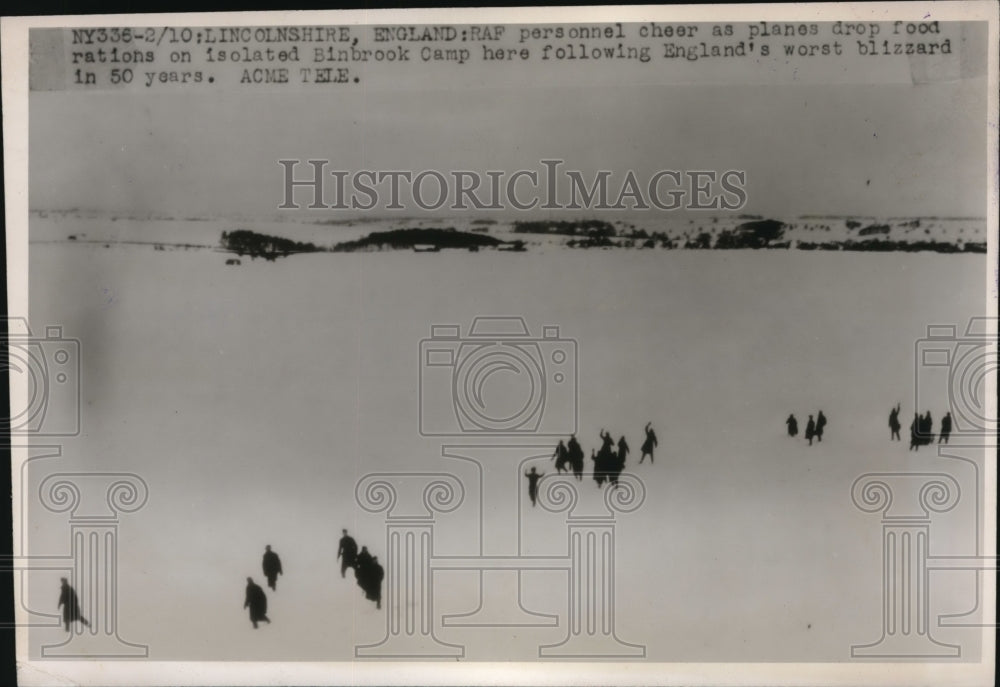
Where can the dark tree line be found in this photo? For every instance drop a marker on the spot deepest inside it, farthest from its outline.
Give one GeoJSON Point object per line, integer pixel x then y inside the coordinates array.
{"type": "Point", "coordinates": [438, 238]}
{"type": "Point", "coordinates": [246, 242]}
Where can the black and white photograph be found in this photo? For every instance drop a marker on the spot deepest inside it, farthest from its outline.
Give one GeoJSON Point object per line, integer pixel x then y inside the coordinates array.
{"type": "Point", "coordinates": [607, 345]}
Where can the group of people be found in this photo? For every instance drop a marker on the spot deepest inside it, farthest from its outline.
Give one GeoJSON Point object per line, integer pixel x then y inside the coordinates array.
{"type": "Point", "coordinates": [256, 599]}
{"type": "Point", "coordinates": [367, 570]}
{"type": "Point", "coordinates": [814, 428]}
{"type": "Point", "coordinates": [608, 463]}
{"type": "Point", "coordinates": [921, 428]}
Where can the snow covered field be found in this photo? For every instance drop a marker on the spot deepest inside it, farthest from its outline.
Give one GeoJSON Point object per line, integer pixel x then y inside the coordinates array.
{"type": "Point", "coordinates": [252, 399]}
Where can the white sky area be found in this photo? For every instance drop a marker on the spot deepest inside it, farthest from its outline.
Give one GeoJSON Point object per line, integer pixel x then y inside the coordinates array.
{"type": "Point", "coordinates": [880, 150]}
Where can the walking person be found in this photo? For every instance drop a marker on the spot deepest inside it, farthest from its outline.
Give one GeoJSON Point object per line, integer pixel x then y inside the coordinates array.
{"type": "Point", "coordinates": [256, 601]}
{"type": "Point", "coordinates": [533, 478]}
{"type": "Point", "coordinates": [649, 444]}
{"type": "Point", "coordinates": [616, 465]}
{"type": "Point", "coordinates": [810, 430]}
{"type": "Point", "coordinates": [894, 425]}
{"type": "Point", "coordinates": [945, 428]}
{"type": "Point", "coordinates": [793, 426]}
{"type": "Point", "coordinates": [820, 425]}
{"type": "Point", "coordinates": [926, 425]}
{"type": "Point", "coordinates": [623, 450]}
{"type": "Point", "coordinates": [272, 567]}
{"type": "Point", "coordinates": [347, 552]}
{"type": "Point", "coordinates": [70, 605]}
{"type": "Point", "coordinates": [375, 582]}
{"type": "Point", "coordinates": [598, 468]}
{"type": "Point", "coordinates": [561, 457]}
{"type": "Point", "coordinates": [575, 456]}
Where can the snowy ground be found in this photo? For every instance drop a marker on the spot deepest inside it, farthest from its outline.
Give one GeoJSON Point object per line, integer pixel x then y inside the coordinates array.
{"type": "Point", "coordinates": [252, 399]}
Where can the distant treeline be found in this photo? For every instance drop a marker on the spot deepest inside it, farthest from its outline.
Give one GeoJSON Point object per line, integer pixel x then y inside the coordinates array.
{"type": "Point", "coordinates": [246, 242]}
{"type": "Point", "coordinates": [425, 239]}
{"type": "Point", "coordinates": [887, 246]}
{"type": "Point", "coordinates": [761, 233]}
{"type": "Point", "coordinates": [757, 234]}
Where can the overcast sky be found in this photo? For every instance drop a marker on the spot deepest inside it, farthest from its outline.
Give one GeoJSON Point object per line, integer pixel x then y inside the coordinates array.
{"type": "Point", "coordinates": [893, 149]}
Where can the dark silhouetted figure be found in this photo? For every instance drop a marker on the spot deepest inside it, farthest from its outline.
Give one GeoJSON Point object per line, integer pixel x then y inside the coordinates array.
{"type": "Point", "coordinates": [598, 468]}
{"type": "Point", "coordinates": [615, 466]}
{"type": "Point", "coordinates": [377, 574]}
{"type": "Point", "coordinates": [793, 426]}
{"type": "Point", "coordinates": [533, 478]}
{"type": "Point", "coordinates": [945, 428]}
{"type": "Point", "coordinates": [926, 425]}
{"type": "Point", "coordinates": [256, 601]}
{"type": "Point", "coordinates": [70, 605]}
{"type": "Point", "coordinates": [810, 430]}
{"type": "Point", "coordinates": [915, 433]}
{"type": "Point", "coordinates": [607, 443]}
{"type": "Point", "coordinates": [606, 458]}
{"type": "Point", "coordinates": [623, 450]}
{"type": "Point", "coordinates": [272, 567]}
{"type": "Point", "coordinates": [820, 425]}
{"type": "Point", "coordinates": [361, 565]}
{"type": "Point", "coordinates": [561, 456]}
{"type": "Point", "coordinates": [894, 425]}
{"type": "Point", "coordinates": [370, 574]}
{"type": "Point", "coordinates": [649, 444]}
{"type": "Point", "coordinates": [575, 455]}
{"type": "Point", "coordinates": [347, 552]}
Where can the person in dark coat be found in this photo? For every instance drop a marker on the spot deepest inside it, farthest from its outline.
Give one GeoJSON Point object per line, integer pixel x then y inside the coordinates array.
{"type": "Point", "coordinates": [945, 428]}
{"type": "Point", "coordinates": [561, 456]}
{"type": "Point", "coordinates": [256, 601]}
{"type": "Point", "coordinates": [369, 574]}
{"type": "Point", "coordinates": [575, 455]}
{"type": "Point", "coordinates": [347, 552]}
{"type": "Point", "coordinates": [607, 443]}
{"type": "Point", "coordinates": [810, 430]}
{"type": "Point", "coordinates": [915, 433]}
{"type": "Point", "coordinates": [533, 478]}
{"type": "Point", "coordinates": [926, 425]}
{"type": "Point", "coordinates": [70, 605]}
{"type": "Point", "coordinates": [793, 426]}
{"type": "Point", "coordinates": [623, 450]}
{"type": "Point", "coordinates": [364, 558]}
{"type": "Point", "coordinates": [362, 567]}
{"type": "Point", "coordinates": [894, 425]}
{"type": "Point", "coordinates": [649, 444]}
{"type": "Point", "coordinates": [374, 582]}
{"type": "Point", "coordinates": [272, 567]}
{"type": "Point", "coordinates": [598, 468]}
{"type": "Point", "coordinates": [820, 425]}
{"type": "Point", "coordinates": [615, 466]}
